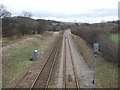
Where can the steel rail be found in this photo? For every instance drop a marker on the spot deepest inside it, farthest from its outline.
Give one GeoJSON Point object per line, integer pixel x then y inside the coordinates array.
{"type": "Point", "coordinates": [52, 66]}
{"type": "Point", "coordinates": [65, 61]}
{"type": "Point", "coordinates": [42, 68]}
{"type": "Point", "coordinates": [76, 78]}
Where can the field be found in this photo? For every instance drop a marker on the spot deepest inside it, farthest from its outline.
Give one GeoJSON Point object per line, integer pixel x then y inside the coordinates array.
{"type": "Point", "coordinates": [107, 73]}
{"type": "Point", "coordinates": [18, 56]}
{"type": "Point", "coordinates": [115, 38]}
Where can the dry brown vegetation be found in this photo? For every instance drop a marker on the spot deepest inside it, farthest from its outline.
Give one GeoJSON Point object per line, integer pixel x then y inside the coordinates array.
{"type": "Point", "coordinates": [99, 33]}
{"type": "Point", "coordinates": [84, 50]}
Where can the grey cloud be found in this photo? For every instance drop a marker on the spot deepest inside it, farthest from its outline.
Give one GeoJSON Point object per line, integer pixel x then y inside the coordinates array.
{"type": "Point", "coordinates": [48, 14]}
{"type": "Point", "coordinates": [97, 13]}
{"type": "Point", "coordinates": [94, 13]}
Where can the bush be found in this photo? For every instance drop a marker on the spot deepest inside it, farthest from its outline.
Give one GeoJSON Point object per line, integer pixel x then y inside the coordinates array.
{"type": "Point", "coordinates": [108, 48]}
{"type": "Point", "coordinates": [97, 33]}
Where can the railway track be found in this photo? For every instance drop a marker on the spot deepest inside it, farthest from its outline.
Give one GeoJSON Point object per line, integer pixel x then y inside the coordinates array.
{"type": "Point", "coordinates": [76, 77]}
{"type": "Point", "coordinates": [44, 75]}
{"type": "Point", "coordinates": [73, 81]}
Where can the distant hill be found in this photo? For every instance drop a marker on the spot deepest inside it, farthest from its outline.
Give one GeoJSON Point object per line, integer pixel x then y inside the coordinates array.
{"type": "Point", "coordinates": [116, 22]}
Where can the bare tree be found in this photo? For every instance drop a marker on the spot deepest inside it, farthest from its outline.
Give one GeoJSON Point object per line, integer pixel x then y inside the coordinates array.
{"type": "Point", "coordinates": [4, 12]}
{"type": "Point", "coordinates": [26, 14]}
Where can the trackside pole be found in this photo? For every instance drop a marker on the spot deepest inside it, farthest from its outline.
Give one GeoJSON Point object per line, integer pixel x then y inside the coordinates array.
{"type": "Point", "coordinates": [94, 68]}
{"type": "Point", "coordinates": [96, 51]}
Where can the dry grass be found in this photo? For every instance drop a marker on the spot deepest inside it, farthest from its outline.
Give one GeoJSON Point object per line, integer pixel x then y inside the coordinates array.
{"type": "Point", "coordinates": [107, 74]}
{"type": "Point", "coordinates": [16, 58]}
{"type": "Point", "coordinates": [84, 49]}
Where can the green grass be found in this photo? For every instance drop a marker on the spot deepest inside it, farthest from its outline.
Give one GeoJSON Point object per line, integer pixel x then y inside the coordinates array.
{"type": "Point", "coordinates": [115, 38]}
{"type": "Point", "coordinates": [106, 74]}
{"type": "Point", "coordinates": [16, 58]}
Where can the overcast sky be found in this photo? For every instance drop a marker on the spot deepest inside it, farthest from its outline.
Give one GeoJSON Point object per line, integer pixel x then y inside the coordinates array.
{"type": "Point", "coordinates": [90, 11]}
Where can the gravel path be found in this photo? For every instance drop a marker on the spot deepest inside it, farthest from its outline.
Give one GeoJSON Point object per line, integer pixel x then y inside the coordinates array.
{"type": "Point", "coordinates": [84, 73]}
{"type": "Point", "coordinates": [60, 82]}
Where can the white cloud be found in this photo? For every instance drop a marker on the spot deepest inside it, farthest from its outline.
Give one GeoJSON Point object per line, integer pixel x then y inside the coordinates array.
{"type": "Point", "coordinates": [65, 7]}
{"type": "Point", "coordinates": [60, 5]}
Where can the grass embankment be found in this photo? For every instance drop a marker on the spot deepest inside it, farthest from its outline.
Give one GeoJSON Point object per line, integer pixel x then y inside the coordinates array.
{"type": "Point", "coordinates": [16, 57]}
{"type": "Point", "coordinates": [115, 37]}
{"type": "Point", "coordinates": [107, 73]}
{"type": "Point", "coordinates": [84, 49]}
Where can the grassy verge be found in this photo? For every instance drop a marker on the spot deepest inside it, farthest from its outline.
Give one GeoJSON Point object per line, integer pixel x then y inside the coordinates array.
{"type": "Point", "coordinates": [16, 58]}
{"type": "Point", "coordinates": [106, 74]}
{"type": "Point", "coordinates": [84, 49]}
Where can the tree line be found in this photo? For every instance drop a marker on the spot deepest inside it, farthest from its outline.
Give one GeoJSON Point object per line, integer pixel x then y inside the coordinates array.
{"type": "Point", "coordinates": [19, 26]}
{"type": "Point", "coordinates": [25, 25]}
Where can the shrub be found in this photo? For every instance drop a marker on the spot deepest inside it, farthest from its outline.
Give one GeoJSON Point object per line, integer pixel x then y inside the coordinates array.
{"type": "Point", "coordinates": [97, 33]}
{"type": "Point", "coordinates": [108, 48]}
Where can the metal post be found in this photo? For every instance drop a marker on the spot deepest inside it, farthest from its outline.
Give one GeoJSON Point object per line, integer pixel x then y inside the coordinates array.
{"type": "Point", "coordinates": [96, 51]}
{"type": "Point", "coordinates": [94, 67]}
{"type": "Point", "coordinates": [35, 55]}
